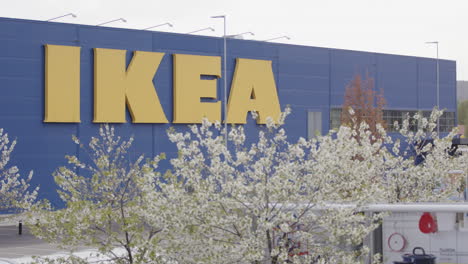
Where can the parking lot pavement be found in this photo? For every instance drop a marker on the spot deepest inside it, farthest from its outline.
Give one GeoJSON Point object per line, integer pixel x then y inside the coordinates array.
{"type": "Point", "coordinates": [13, 245]}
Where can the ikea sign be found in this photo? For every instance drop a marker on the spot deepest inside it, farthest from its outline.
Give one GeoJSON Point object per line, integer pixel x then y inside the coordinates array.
{"type": "Point", "coordinates": [118, 87]}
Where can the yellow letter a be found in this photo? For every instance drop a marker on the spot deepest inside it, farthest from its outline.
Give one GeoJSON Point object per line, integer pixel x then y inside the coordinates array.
{"type": "Point", "coordinates": [253, 89]}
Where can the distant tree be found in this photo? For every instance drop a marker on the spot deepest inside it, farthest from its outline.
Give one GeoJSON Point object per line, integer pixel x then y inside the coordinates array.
{"type": "Point", "coordinates": [362, 104]}
{"type": "Point", "coordinates": [14, 190]}
{"type": "Point", "coordinates": [463, 115]}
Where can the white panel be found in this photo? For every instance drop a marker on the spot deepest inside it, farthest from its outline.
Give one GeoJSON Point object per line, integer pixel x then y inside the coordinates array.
{"type": "Point", "coordinates": [314, 123]}
{"type": "Point", "coordinates": [444, 241]}
{"type": "Point", "coordinates": [462, 243]}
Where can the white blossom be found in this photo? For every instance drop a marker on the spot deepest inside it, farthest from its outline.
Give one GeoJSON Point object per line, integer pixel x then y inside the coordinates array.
{"type": "Point", "coordinates": [104, 203]}
{"type": "Point", "coordinates": [16, 195]}
{"type": "Point", "coordinates": [256, 203]}
{"type": "Point", "coordinates": [270, 201]}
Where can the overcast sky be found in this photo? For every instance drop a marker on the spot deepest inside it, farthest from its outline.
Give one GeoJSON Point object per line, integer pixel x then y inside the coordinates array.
{"type": "Point", "coordinates": [387, 26]}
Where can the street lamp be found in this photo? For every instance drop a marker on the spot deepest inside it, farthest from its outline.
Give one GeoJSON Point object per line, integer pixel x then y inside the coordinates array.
{"type": "Point", "coordinates": [203, 29]}
{"type": "Point", "coordinates": [437, 63]}
{"type": "Point", "coordinates": [69, 14]}
{"type": "Point", "coordinates": [115, 20]}
{"type": "Point", "coordinates": [160, 25]}
{"type": "Point", "coordinates": [224, 78]}
{"type": "Point", "coordinates": [285, 37]}
{"type": "Point", "coordinates": [241, 34]}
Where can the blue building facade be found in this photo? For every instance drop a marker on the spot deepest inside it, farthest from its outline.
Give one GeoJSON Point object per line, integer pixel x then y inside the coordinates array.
{"type": "Point", "coordinates": [310, 80]}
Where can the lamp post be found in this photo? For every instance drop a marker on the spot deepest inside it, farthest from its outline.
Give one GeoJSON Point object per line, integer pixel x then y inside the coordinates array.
{"type": "Point", "coordinates": [285, 37]}
{"type": "Point", "coordinates": [437, 74]}
{"type": "Point", "coordinates": [225, 84]}
{"type": "Point", "coordinates": [199, 30]}
{"type": "Point", "coordinates": [160, 25]}
{"type": "Point", "coordinates": [225, 78]}
{"type": "Point", "coordinates": [115, 20]}
{"type": "Point", "coordinates": [69, 14]}
{"type": "Point", "coordinates": [241, 34]}
{"type": "Point", "coordinates": [224, 75]}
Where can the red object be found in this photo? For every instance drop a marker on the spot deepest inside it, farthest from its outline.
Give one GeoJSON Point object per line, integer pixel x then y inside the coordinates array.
{"type": "Point", "coordinates": [427, 223]}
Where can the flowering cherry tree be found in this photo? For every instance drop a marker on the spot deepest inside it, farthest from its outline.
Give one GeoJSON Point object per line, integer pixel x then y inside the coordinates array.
{"type": "Point", "coordinates": [104, 203]}
{"type": "Point", "coordinates": [274, 201]}
{"type": "Point", "coordinates": [231, 202]}
{"type": "Point", "coordinates": [270, 201]}
{"type": "Point", "coordinates": [14, 190]}
{"type": "Point", "coordinates": [419, 169]}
